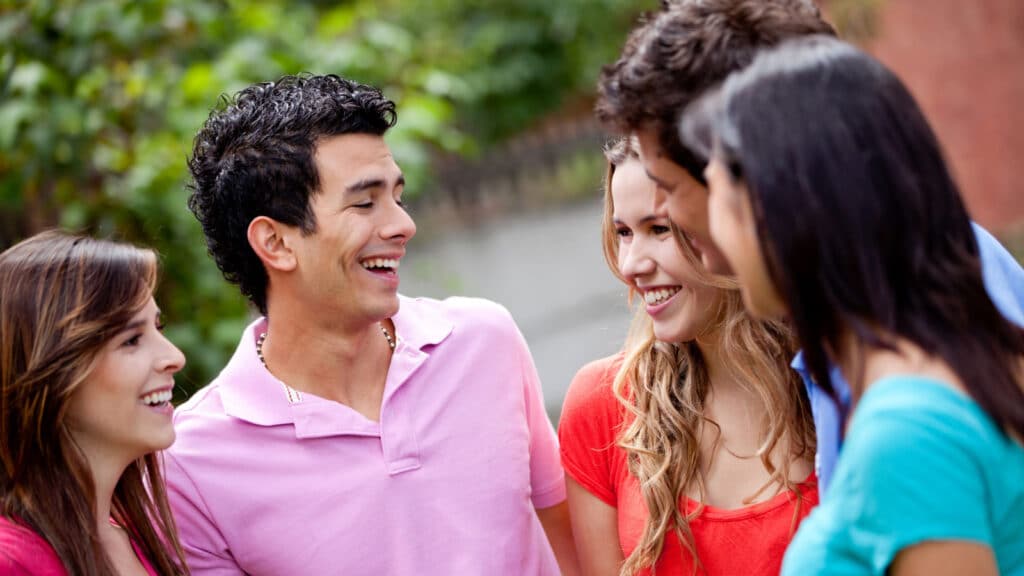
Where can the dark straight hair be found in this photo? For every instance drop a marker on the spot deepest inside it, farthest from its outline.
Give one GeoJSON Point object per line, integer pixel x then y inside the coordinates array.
{"type": "Point", "coordinates": [862, 225]}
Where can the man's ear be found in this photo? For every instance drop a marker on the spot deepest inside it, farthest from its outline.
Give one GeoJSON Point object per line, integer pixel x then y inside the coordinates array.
{"type": "Point", "coordinates": [270, 240]}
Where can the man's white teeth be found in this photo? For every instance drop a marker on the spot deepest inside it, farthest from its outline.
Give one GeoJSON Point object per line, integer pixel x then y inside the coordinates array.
{"type": "Point", "coordinates": [157, 398]}
{"type": "Point", "coordinates": [660, 295]}
{"type": "Point", "coordinates": [386, 263]}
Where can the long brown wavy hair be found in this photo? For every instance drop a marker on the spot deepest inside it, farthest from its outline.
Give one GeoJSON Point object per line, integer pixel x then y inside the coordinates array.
{"type": "Point", "coordinates": [663, 386]}
{"type": "Point", "coordinates": [62, 298]}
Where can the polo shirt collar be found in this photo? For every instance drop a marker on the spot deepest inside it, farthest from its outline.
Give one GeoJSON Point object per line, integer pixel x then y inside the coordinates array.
{"type": "Point", "coordinates": [248, 390]}
{"type": "Point", "coordinates": [418, 324]}
{"type": "Point", "coordinates": [251, 393]}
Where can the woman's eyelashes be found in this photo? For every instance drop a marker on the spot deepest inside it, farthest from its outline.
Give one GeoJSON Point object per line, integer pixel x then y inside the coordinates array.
{"type": "Point", "coordinates": [133, 340]}
{"type": "Point", "coordinates": [136, 334]}
{"type": "Point", "coordinates": [651, 229]}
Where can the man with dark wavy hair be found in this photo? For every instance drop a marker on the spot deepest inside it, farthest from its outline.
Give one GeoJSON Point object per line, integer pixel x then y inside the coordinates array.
{"type": "Point", "coordinates": [671, 59]}
{"type": "Point", "coordinates": [677, 55]}
{"type": "Point", "coordinates": [354, 431]}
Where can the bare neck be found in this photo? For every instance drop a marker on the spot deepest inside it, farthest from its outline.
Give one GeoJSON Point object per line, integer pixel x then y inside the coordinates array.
{"type": "Point", "coordinates": [735, 407]}
{"type": "Point", "coordinates": [863, 365]}
{"type": "Point", "coordinates": [106, 469]}
{"type": "Point", "coordinates": [344, 362]}
{"type": "Point", "coordinates": [734, 473]}
{"type": "Point", "coordinates": [721, 374]}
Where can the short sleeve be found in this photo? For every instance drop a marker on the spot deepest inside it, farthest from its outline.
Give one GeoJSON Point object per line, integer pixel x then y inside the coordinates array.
{"type": "Point", "coordinates": [587, 431]}
{"type": "Point", "coordinates": [912, 472]}
{"type": "Point", "coordinates": [205, 549]}
{"type": "Point", "coordinates": [547, 481]}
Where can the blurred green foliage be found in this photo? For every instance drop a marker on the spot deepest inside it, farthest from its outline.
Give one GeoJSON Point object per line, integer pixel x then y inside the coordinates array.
{"type": "Point", "coordinates": [100, 99]}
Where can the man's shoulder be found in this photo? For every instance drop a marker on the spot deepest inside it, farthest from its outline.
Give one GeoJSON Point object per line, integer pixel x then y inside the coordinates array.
{"type": "Point", "coordinates": [205, 400]}
{"type": "Point", "coordinates": [233, 378]}
{"type": "Point", "coordinates": [456, 305]}
{"type": "Point", "coordinates": [1004, 277]}
{"type": "Point", "coordinates": [201, 417]}
{"type": "Point", "coordinates": [462, 312]}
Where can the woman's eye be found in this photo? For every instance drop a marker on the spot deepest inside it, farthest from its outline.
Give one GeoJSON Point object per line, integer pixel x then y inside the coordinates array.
{"type": "Point", "coordinates": [133, 341]}
{"type": "Point", "coordinates": [623, 232]}
{"type": "Point", "coordinates": [659, 229]}
{"type": "Point", "coordinates": [363, 205]}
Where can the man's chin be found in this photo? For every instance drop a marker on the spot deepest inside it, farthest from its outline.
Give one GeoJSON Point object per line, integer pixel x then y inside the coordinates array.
{"type": "Point", "coordinates": [389, 309]}
{"type": "Point", "coordinates": [715, 262]}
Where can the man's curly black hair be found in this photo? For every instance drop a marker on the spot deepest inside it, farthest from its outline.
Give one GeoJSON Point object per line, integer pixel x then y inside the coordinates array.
{"type": "Point", "coordinates": [679, 52]}
{"type": "Point", "coordinates": [255, 156]}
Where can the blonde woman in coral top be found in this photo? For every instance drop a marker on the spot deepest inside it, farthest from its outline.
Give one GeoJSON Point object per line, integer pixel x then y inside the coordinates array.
{"type": "Point", "coordinates": [692, 449]}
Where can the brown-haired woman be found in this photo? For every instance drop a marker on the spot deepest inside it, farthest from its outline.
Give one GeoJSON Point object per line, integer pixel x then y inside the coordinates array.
{"type": "Point", "coordinates": [85, 385]}
{"type": "Point", "coordinates": [692, 449]}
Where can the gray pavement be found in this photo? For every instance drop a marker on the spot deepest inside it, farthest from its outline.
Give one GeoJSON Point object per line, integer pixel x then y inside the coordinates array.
{"type": "Point", "coordinates": [548, 270]}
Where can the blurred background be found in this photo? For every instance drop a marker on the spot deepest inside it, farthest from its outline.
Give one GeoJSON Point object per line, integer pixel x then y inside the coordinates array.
{"type": "Point", "coordinates": [100, 99]}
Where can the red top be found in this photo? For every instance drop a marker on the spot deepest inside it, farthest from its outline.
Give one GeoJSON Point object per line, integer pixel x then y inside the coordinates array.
{"type": "Point", "coordinates": [749, 541]}
{"type": "Point", "coordinates": [25, 553]}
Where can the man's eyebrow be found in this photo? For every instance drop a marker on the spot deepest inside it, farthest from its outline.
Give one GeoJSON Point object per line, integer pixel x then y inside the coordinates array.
{"type": "Point", "coordinates": [371, 183]}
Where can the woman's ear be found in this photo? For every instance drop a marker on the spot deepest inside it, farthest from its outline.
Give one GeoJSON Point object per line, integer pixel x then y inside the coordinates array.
{"type": "Point", "coordinates": [269, 239]}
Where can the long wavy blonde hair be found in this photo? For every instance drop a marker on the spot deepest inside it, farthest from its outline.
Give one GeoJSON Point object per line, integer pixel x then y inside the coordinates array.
{"type": "Point", "coordinates": [663, 387]}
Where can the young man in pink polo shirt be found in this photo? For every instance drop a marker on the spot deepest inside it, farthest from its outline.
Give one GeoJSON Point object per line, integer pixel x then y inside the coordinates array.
{"type": "Point", "coordinates": [354, 431]}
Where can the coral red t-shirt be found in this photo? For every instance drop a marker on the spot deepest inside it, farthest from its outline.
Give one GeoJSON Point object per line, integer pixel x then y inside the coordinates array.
{"type": "Point", "coordinates": [748, 541]}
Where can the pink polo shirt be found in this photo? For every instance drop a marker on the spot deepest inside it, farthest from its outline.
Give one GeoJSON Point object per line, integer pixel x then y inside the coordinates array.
{"type": "Point", "coordinates": [270, 482]}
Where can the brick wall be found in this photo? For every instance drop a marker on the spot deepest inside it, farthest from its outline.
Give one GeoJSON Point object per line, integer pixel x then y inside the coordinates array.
{"type": "Point", "coordinates": [964, 62]}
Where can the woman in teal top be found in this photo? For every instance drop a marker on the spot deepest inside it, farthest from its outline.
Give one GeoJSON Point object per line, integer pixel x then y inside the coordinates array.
{"type": "Point", "coordinates": [831, 200]}
{"type": "Point", "coordinates": [922, 462]}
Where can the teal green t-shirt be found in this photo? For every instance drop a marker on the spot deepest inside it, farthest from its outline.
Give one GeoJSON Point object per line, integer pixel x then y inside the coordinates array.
{"type": "Point", "coordinates": [920, 462]}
